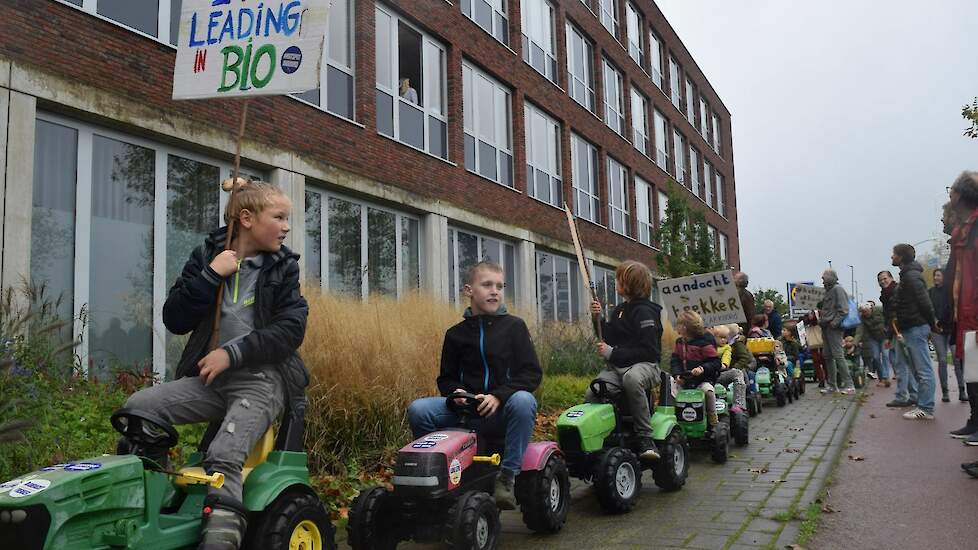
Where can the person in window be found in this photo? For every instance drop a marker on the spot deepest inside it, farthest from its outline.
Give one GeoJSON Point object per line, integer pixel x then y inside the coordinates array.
{"type": "Point", "coordinates": [406, 91]}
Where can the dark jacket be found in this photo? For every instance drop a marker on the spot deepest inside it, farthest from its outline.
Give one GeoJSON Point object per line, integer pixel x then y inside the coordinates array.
{"type": "Point", "coordinates": [489, 354]}
{"type": "Point", "coordinates": [698, 352]}
{"type": "Point", "coordinates": [792, 349]}
{"type": "Point", "coordinates": [747, 301]}
{"type": "Point", "coordinates": [940, 298]}
{"type": "Point", "coordinates": [635, 333]}
{"type": "Point", "coordinates": [741, 355]}
{"type": "Point", "coordinates": [913, 307]}
{"type": "Point", "coordinates": [774, 323]}
{"type": "Point", "coordinates": [888, 299]}
{"type": "Point", "coordinates": [280, 312]}
{"type": "Point", "coordinates": [872, 326]}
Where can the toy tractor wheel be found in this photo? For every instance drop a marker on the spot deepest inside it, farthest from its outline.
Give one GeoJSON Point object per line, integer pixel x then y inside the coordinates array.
{"type": "Point", "coordinates": [671, 469]}
{"type": "Point", "coordinates": [751, 406]}
{"type": "Point", "coordinates": [801, 386]}
{"type": "Point", "coordinates": [757, 401]}
{"type": "Point", "coordinates": [740, 429]}
{"type": "Point", "coordinates": [789, 392]}
{"type": "Point", "coordinates": [779, 395]}
{"type": "Point", "coordinates": [296, 519]}
{"type": "Point", "coordinates": [618, 480]}
{"type": "Point", "coordinates": [473, 523]}
{"type": "Point", "coordinates": [369, 522]}
{"type": "Point", "coordinates": [544, 496]}
{"type": "Point", "coordinates": [721, 443]}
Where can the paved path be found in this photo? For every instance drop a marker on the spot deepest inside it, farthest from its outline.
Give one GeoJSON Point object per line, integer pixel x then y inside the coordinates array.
{"type": "Point", "coordinates": [730, 506]}
{"type": "Point", "coordinates": [909, 491]}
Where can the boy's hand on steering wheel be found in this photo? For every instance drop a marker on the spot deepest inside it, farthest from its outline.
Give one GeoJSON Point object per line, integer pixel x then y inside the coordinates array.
{"type": "Point", "coordinates": [489, 405]}
{"type": "Point", "coordinates": [213, 364]}
{"type": "Point", "coordinates": [697, 371]}
{"type": "Point", "coordinates": [459, 402]}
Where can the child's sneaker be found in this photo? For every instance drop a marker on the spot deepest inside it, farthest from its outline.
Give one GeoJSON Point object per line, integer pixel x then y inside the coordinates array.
{"type": "Point", "coordinates": [848, 391]}
{"type": "Point", "coordinates": [918, 414]}
{"type": "Point", "coordinates": [736, 409]}
{"type": "Point", "coordinates": [972, 440]}
{"type": "Point", "coordinates": [648, 452]}
{"type": "Point", "coordinates": [505, 498]}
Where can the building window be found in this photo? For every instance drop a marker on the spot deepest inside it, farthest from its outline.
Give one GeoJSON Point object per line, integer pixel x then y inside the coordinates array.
{"type": "Point", "coordinates": [614, 104]}
{"type": "Point", "coordinates": [542, 156]}
{"type": "Point", "coordinates": [674, 83]}
{"type": "Point", "coordinates": [410, 85]}
{"type": "Point", "coordinates": [704, 118]}
{"type": "Point", "coordinates": [159, 19]}
{"type": "Point", "coordinates": [690, 103]}
{"type": "Point", "coordinates": [604, 281]}
{"type": "Point", "coordinates": [678, 146]}
{"type": "Point", "coordinates": [558, 290]}
{"type": "Point", "coordinates": [338, 257]}
{"type": "Point", "coordinates": [643, 210]}
{"type": "Point", "coordinates": [488, 143]}
{"type": "Point", "coordinates": [491, 15]}
{"type": "Point", "coordinates": [716, 133]}
{"type": "Point", "coordinates": [724, 255]}
{"type": "Point", "coordinates": [617, 197]}
{"type": "Point", "coordinates": [465, 249]}
{"type": "Point", "coordinates": [655, 55]}
{"type": "Point", "coordinates": [694, 171]}
{"type": "Point", "coordinates": [336, 73]}
{"type": "Point", "coordinates": [661, 149]}
{"type": "Point", "coordinates": [634, 27]}
{"type": "Point", "coordinates": [609, 16]}
{"type": "Point", "coordinates": [580, 57]}
{"type": "Point", "coordinates": [721, 205]}
{"type": "Point", "coordinates": [538, 19]}
{"type": "Point", "coordinates": [584, 166]}
{"type": "Point", "coordinates": [708, 180]}
{"type": "Point", "coordinates": [640, 122]}
{"type": "Point", "coordinates": [663, 203]}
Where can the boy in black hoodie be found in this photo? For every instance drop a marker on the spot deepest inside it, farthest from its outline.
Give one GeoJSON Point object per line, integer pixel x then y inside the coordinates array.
{"type": "Point", "coordinates": [489, 354]}
{"type": "Point", "coordinates": [632, 346]}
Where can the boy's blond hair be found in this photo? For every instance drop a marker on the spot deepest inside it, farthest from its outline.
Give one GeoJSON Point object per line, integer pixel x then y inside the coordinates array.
{"type": "Point", "coordinates": [691, 322]}
{"type": "Point", "coordinates": [734, 329]}
{"type": "Point", "coordinates": [722, 331]}
{"type": "Point", "coordinates": [485, 264]}
{"type": "Point", "coordinates": [252, 195]}
{"type": "Point", "coordinates": [635, 279]}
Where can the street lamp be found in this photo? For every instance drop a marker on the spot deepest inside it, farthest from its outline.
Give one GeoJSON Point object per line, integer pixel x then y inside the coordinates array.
{"type": "Point", "coordinates": [852, 279]}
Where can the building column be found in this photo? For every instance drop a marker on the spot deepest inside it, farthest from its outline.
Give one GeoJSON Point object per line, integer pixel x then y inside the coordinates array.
{"type": "Point", "coordinates": [526, 280]}
{"type": "Point", "coordinates": [434, 255]}
{"type": "Point", "coordinates": [20, 114]}
{"type": "Point", "coordinates": [294, 186]}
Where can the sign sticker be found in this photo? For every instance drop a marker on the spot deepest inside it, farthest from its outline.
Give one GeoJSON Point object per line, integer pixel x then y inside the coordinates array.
{"type": "Point", "coordinates": [424, 445]}
{"type": "Point", "coordinates": [575, 414]}
{"type": "Point", "coordinates": [28, 487]}
{"type": "Point", "coordinates": [455, 471]}
{"type": "Point", "coordinates": [436, 437]}
{"type": "Point", "coordinates": [689, 414]}
{"type": "Point", "coordinates": [82, 466]}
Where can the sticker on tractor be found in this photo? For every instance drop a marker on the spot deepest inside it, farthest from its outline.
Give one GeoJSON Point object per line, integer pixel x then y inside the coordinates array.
{"type": "Point", "coordinates": [689, 414]}
{"type": "Point", "coordinates": [455, 471]}
{"type": "Point", "coordinates": [54, 467]}
{"type": "Point", "coordinates": [424, 444]}
{"type": "Point", "coordinates": [82, 466]}
{"type": "Point", "coordinates": [436, 437]}
{"type": "Point", "coordinates": [575, 414]}
{"type": "Point", "coordinates": [28, 487]}
{"type": "Point", "coordinates": [10, 484]}
{"type": "Point", "coordinates": [721, 406]}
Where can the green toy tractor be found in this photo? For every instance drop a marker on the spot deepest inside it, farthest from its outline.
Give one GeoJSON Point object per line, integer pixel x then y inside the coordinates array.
{"type": "Point", "coordinates": [739, 424]}
{"type": "Point", "coordinates": [692, 419]}
{"type": "Point", "coordinates": [599, 445]}
{"type": "Point", "coordinates": [134, 501]}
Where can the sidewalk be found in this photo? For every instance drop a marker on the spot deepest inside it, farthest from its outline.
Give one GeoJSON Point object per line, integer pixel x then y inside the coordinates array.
{"type": "Point", "coordinates": [909, 490]}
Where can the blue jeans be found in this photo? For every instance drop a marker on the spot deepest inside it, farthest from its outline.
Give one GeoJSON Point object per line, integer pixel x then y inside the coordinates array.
{"type": "Point", "coordinates": [514, 419]}
{"type": "Point", "coordinates": [917, 338]}
{"type": "Point", "coordinates": [884, 358]}
{"type": "Point", "coordinates": [906, 382]}
{"type": "Point", "coordinates": [875, 351]}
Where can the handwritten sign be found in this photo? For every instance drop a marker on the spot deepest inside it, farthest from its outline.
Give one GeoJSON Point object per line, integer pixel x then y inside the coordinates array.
{"type": "Point", "coordinates": [793, 308]}
{"type": "Point", "coordinates": [231, 48]}
{"type": "Point", "coordinates": [806, 297]}
{"type": "Point", "coordinates": [713, 295]}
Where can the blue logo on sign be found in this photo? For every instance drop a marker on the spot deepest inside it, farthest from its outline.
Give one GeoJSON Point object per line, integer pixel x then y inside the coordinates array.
{"type": "Point", "coordinates": [82, 466]}
{"type": "Point", "coordinates": [291, 59]}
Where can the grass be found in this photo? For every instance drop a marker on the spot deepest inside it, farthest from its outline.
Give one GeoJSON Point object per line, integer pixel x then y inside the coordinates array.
{"type": "Point", "coordinates": [810, 522]}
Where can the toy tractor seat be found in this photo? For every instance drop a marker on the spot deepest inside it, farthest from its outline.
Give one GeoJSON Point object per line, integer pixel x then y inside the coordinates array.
{"type": "Point", "coordinates": [657, 396]}
{"type": "Point", "coordinates": [258, 455]}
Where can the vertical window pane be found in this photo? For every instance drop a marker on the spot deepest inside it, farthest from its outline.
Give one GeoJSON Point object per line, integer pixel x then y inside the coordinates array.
{"type": "Point", "coordinates": [562, 283]}
{"type": "Point", "coordinates": [381, 252]}
{"type": "Point", "coordinates": [385, 114]}
{"type": "Point", "coordinates": [410, 254]}
{"type": "Point", "coordinates": [545, 287]}
{"type": "Point", "coordinates": [121, 297]}
{"type": "Point", "coordinates": [509, 265]}
{"type": "Point", "coordinates": [53, 213]}
{"type": "Point", "coordinates": [142, 15]}
{"type": "Point", "coordinates": [175, 7]}
{"type": "Point", "coordinates": [383, 52]}
{"type": "Point", "coordinates": [345, 264]}
{"type": "Point", "coordinates": [339, 98]}
{"type": "Point", "coordinates": [338, 34]}
{"type": "Point", "coordinates": [314, 237]}
{"type": "Point", "coordinates": [434, 69]}
{"type": "Point", "coordinates": [411, 125]}
{"type": "Point", "coordinates": [468, 255]}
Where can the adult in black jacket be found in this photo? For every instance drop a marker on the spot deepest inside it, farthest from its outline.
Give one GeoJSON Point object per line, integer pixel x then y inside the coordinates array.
{"type": "Point", "coordinates": [490, 355]}
{"type": "Point", "coordinates": [941, 299]}
{"type": "Point", "coordinates": [915, 320]}
{"type": "Point", "coordinates": [632, 346]}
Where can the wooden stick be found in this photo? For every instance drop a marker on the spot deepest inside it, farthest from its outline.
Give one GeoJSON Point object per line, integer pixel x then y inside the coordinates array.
{"type": "Point", "coordinates": [585, 272]}
{"type": "Point", "coordinates": [215, 332]}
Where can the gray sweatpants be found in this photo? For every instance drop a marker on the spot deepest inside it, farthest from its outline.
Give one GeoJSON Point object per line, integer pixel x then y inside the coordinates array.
{"type": "Point", "coordinates": [835, 360]}
{"type": "Point", "coordinates": [247, 401]}
{"type": "Point", "coordinates": [635, 381]}
{"type": "Point", "coordinates": [739, 385]}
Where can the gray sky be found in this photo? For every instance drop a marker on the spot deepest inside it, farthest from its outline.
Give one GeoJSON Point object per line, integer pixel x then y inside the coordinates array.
{"type": "Point", "coordinates": [846, 124]}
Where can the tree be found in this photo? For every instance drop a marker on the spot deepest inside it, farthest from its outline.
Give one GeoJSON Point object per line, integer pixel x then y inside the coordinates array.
{"type": "Point", "coordinates": [770, 294]}
{"type": "Point", "coordinates": [970, 113]}
{"type": "Point", "coordinates": [685, 243]}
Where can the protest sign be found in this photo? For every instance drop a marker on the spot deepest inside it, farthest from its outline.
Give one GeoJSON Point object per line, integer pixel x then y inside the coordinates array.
{"type": "Point", "coordinates": [793, 310]}
{"type": "Point", "coordinates": [249, 47]}
{"type": "Point", "coordinates": [806, 297]}
{"type": "Point", "coordinates": [713, 295]}
{"type": "Point", "coordinates": [802, 334]}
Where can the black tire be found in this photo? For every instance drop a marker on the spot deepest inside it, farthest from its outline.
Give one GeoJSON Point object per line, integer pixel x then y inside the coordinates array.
{"type": "Point", "coordinates": [789, 392]}
{"type": "Point", "coordinates": [760, 406]}
{"type": "Point", "coordinates": [618, 480]}
{"type": "Point", "coordinates": [369, 526]}
{"type": "Point", "coordinates": [779, 396]}
{"type": "Point", "coordinates": [801, 385]}
{"type": "Point", "coordinates": [740, 429]}
{"type": "Point", "coordinates": [721, 443]}
{"type": "Point", "coordinates": [751, 406]}
{"type": "Point", "coordinates": [473, 522]}
{"type": "Point", "coordinates": [293, 511]}
{"type": "Point", "coordinates": [672, 468]}
{"type": "Point", "coordinates": [544, 496]}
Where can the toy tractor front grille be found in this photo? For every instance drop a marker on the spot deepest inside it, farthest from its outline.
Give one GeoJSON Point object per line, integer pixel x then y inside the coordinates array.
{"type": "Point", "coordinates": [24, 528]}
{"type": "Point", "coordinates": [683, 414]}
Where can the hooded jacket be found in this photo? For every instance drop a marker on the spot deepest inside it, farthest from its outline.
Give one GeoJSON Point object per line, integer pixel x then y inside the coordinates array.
{"type": "Point", "coordinates": [872, 326]}
{"type": "Point", "coordinates": [635, 333]}
{"type": "Point", "coordinates": [913, 307]}
{"type": "Point", "coordinates": [888, 299]}
{"type": "Point", "coordinates": [696, 352]}
{"type": "Point", "coordinates": [741, 355]}
{"type": "Point", "coordinates": [489, 354]}
{"type": "Point", "coordinates": [964, 284]}
{"type": "Point", "coordinates": [280, 313]}
{"type": "Point", "coordinates": [835, 306]}
{"type": "Point", "coordinates": [940, 298]}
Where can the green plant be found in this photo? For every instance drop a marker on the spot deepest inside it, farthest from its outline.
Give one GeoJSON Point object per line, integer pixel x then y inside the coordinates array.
{"type": "Point", "coordinates": [686, 245]}
{"type": "Point", "coordinates": [970, 113]}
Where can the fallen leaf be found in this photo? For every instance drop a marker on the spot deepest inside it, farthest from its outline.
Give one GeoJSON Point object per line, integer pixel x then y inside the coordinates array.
{"type": "Point", "coordinates": [872, 416]}
{"type": "Point", "coordinates": [826, 509]}
{"type": "Point", "coordinates": [797, 429]}
{"type": "Point", "coordinates": [792, 450]}
{"type": "Point", "coordinates": [851, 442]}
{"type": "Point", "coordinates": [856, 458]}
{"type": "Point", "coordinates": [757, 470]}
{"type": "Point", "coordinates": [794, 547]}
{"type": "Point", "coordinates": [778, 480]}
{"type": "Point", "coordinates": [343, 512]}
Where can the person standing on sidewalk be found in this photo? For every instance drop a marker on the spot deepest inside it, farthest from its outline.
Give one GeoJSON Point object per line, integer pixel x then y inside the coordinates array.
{"type": "Point", "coordinates": [835, 308]}
{"type": "Point", "coordinates": [746, 299]}
{"type": "Point", "coordinates": [906, 390]}
{"type": "Point", "coordinates": [870, 336]}
{"type": "Point", "coordinates": [940, 298]}
{"type": "Point", "coordinates": [915, 320]}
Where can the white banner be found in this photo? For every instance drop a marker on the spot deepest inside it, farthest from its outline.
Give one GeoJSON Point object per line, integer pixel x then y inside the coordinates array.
{"type": "Point", "coordinates": [713, 295]}
{"type": "Point", "coordinates": [230, 48]}
{"type": "Point", "coordinates": [807, 297]}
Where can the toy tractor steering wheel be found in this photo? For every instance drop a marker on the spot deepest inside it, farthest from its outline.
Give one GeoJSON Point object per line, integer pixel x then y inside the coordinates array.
{"type": "Point", "coordinates": [144, 430]}
{"type": "Point", "coordinates": [469, 406]}
{"type": "Point", "coordinates": [602, 389]}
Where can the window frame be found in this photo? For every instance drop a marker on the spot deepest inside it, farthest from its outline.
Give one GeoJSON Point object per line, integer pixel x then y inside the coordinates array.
{"type": "Point", "coordinates": [328, 61]}
{"type": "Point", "coordinates": [453, 268]}
{"type": "Point", "coordinates": [593, 194]}
{"type": "Point", "coordinates": [661, 134]}
{"type": "Point", "coordinates": [655, 60]}
{"type": "Point", "coordinates": [609, 17]}
{"type": "Point", "coordinates": [573, 290]}
{"type": "Point", "coordinates": [708, 175]}
{"type": "Point", "coordinates": [612, 166]}
{"type": "Point", "coordinates": [679, 162]}
{"type": "Point", "coordinates": [640, 128]}
{"type": "Point", "coordinates": [691, 103]}
{"type": "Point", "coordinates": [724, 243]}
{"type": "Point", "coordinates": [588, 57]}
{"type": "Point", "coordinates": [550, 56]}
{"type": "Point", "coordinates": [643, 210]}
{"type": "Point", "coordinates": [636, 46]}
{"type": "Point", "coordinates": [497, 14]}
{"type": "Point", "coordinates": [614, 116]}
{"type": "Point", "coordinates": [475, 129]}
{"type": "Point", "coordinates": [716, 134]}
{"type": "Point", "coordinates": [163, 21]}
{"type": "Point", "coordinates": [554, 178]}
{"type": "Point", "coordinates": [694, 172]}
{"type": "Point", "coordinates": [721, 207]}
{"type": "Point", "coordinates": [674, 83]}
{"type": "Point", "coordinates": [662, 202]}
{"type": "Point", "coordinates": [704, 116]}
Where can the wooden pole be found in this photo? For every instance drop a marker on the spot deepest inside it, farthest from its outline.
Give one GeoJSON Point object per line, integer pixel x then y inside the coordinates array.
{"type": "Point", "coordinates": [585, 272]}
{"type": "Point", "coordinates": [215, 333]}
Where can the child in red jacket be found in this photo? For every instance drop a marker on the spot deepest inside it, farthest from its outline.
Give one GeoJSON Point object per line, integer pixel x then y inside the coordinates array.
{"type": "Point", "coordinates": [695, 361]}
